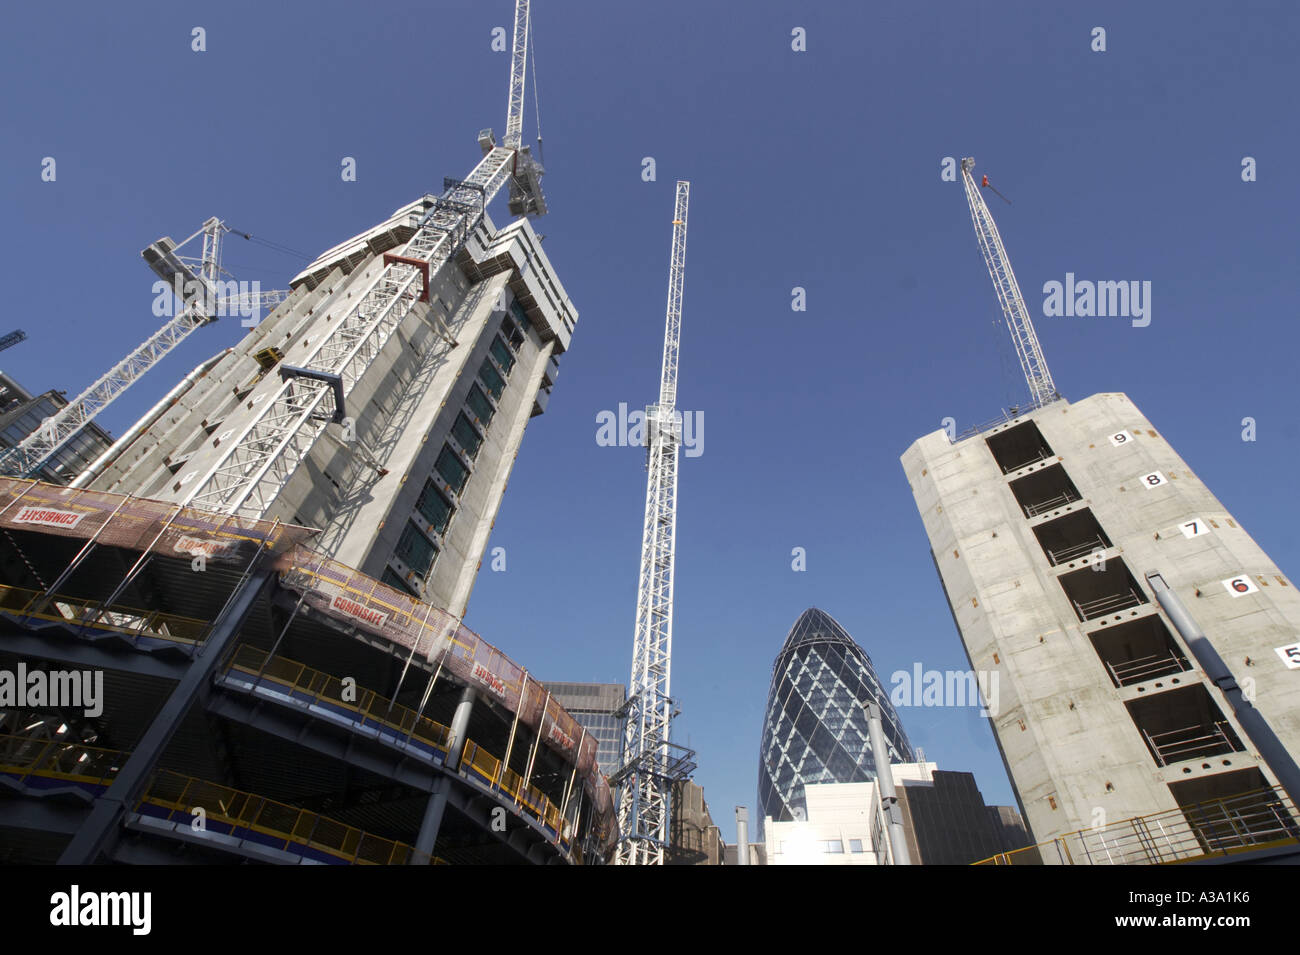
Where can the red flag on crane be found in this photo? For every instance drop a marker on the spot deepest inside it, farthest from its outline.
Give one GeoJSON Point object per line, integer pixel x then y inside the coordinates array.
{"type": "Point", "coordinates": [986, 185]}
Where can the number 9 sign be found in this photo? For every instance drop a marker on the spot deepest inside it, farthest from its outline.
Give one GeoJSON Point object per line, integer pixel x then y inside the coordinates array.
{"type": "Point", "coordinates": [1120, 438]}
{"type": "Point", "coordinates": [1240, 586]}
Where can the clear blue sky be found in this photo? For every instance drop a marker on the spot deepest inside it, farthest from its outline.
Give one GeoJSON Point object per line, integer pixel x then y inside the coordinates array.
{"type": "Point", "coordinates": [818, 169]}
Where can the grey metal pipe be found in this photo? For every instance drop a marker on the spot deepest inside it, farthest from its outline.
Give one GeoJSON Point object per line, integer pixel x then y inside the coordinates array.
{"type": "Point", "coordinates": [1271, 750]}
{"type": "Point", "coordinates": [885, 787]}
{"type": "Point", "coordinates": [430, 825]}
{"type": "Point", "coordinates": [742, 836]}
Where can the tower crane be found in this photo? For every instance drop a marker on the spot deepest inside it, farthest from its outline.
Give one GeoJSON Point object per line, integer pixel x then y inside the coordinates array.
{"type": "Point", "coordinates": [651, 762]}
{"type": "Point", "coordinates": [12, 339]}
{"type": "Point", "coordinates": [247, 473]}
{"type": "Point", "coordinates": [197, 282]}
{"type": "Point", "coordinates": [1041, 387]}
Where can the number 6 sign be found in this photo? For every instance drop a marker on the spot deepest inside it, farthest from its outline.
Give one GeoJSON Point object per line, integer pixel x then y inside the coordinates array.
{"type": "Point", "coordinates": [1240, 586]}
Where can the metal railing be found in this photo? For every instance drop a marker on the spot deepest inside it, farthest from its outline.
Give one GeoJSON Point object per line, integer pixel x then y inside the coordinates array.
{"type": "Point", "coordinates": [1192, 742]}
{"type": "Point", "coordinates": [374, 710]}
{"type": "Point", "coordinates": [84, 612]}
{"type": "Point", "coordinates": [175, 798]}
{"type": "Point", "coordinates": [1088, 609]}
{"type": "Point", "coordinates": [1042, 507]}
{"type": "Point", "coordinates": [1147, 668]}
{"type": "Point", "coordinates": [367, 708]}
{"type": "Point", "coordinates": [1218, 827]}
{"type": "Point", "coordinates": [1044, 454]}
{"type": "Point", "coordinates": [1074, 551]}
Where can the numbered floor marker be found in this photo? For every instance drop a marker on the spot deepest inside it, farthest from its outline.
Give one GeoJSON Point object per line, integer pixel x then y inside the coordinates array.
{"type": "Point", "coordinates": [1154, 479]}
{"type": "Point", "coordinates": [1194, 528]}
{"type": "Point", "coordinates": [1240, 586]}
{"type": "Point", "coordinates": [1290, 655]}
{"type": "Point", "coordinates": [1121, 437]}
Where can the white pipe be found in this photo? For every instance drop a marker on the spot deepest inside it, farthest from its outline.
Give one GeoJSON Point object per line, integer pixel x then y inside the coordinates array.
{"type": "Point", "coordinates": [121, 444]}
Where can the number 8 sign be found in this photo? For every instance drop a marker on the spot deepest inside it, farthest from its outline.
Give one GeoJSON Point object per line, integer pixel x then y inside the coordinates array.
{"type": "Point", "coordinates": [1154, 479]}
{"type": "Point", "coordinates": [1240, 586]}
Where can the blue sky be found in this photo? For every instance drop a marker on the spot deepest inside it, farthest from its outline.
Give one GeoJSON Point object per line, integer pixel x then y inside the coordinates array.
{"type": "Point", "coordinates": [816, 169]}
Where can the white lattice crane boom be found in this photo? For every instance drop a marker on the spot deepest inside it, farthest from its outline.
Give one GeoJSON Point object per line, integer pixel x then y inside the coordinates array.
{"type": "Point", "coordinates": [252, 467]}
{"type": "Point", "coordinates": [30, 455]}
{"type": "Point", "coordinates": [651, 762]}
{"type": "Point", "coordinates": [1041, 387]}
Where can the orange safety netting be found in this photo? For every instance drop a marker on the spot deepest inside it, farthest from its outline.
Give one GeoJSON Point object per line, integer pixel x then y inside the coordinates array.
{"type": "Point", "coordinates": [346, 594]}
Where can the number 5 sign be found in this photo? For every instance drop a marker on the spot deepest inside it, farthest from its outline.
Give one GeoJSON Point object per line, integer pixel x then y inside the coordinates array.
{"type": "Point", "coordinates": [1290, 655]}
{"type": "Point", "coordinates": [1239, 586]}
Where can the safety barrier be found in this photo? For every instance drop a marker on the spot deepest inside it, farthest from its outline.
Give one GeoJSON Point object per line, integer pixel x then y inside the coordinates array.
{"type": "Point", "coordinates": [322, 689]}
{"type": "Point", "coordinates": [371, 709]}
{"type": "Point", "coordinates": [82, 612]}
{"type": "Point", "coordinates": [1253, 820]}
{"type": "Point", "coordinates": [173, 797]}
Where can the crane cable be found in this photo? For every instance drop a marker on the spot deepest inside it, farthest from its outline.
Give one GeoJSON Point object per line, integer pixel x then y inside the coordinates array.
{"type": "Point", "coordinates": [537, 101]}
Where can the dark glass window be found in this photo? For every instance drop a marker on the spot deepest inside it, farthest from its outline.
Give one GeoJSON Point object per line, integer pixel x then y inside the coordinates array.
{"type": "Point", "coordinates": [464, 433]}
{"type": "Point", "coordinates": [491, 379]}
{"type": "Point", "coordinates": [435, 508]}
{"type": "Point", "coordinates": [520, 315]}
{"type": "Point", "coordinates": [452, 469]}
{"type": "Point", "coordinates": [479, 405]}
{"type": "Point", "coordinates": [391, 578]}
{"type": "Point", "coordinates": [415, 550]}
{"type": "Point", "coordinates": [502, 354]}
{"type": "Point", "coordinates": [855, 845]}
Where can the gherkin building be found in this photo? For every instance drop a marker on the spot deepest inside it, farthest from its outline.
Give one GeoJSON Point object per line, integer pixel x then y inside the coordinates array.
{"type": "Point", "coordinates": [815, 729]}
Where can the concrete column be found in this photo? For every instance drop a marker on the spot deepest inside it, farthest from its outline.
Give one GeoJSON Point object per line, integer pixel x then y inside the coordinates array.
{"type": "Point", "coordinates": [742, 836]}
{"type": "Point", "coordinates": [437, 805]}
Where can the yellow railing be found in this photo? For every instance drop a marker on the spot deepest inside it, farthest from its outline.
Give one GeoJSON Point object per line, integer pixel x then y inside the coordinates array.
{"type": "Point", "coordinates": [81, 611]}
{"type": "Point", "coordinates": [1233, 824]}
{"type": "Point", "coordinates": [184, 795]}
{"type": "Point", "coordinates": [379, 709]}
{"type": "Point", "coordinates": [368, 705]}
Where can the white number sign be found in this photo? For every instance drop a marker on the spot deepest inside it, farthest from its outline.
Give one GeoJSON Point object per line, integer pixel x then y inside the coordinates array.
{"type": "Point", "coordinates": [1194, 528]}
{"type": "Point", "coordinates": [1290, 656]}
{"type": "Point", "coordinates": [1154, 479]}
{"type": "Point", "coordinates": [1240, 586]}
{"type": "Point", "coordinates": [1121, 437]}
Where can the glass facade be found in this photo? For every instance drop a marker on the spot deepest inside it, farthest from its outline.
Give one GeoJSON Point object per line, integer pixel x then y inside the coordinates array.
{"type": "Point", "coordinates": [815, 729]}
{"type": "Point", "coordinates": [595, 706]}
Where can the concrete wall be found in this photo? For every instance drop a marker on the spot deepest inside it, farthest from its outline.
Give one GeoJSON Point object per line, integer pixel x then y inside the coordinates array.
{"type": "Point", "coordinates": [400, 408]}
{"type": "Point", "coordinates": [1075, 755]}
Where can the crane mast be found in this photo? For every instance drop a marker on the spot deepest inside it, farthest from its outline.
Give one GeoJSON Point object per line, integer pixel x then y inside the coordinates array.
{"type": "Point", "coordinates": [248, 474]}
{"type": "Point", "coordinates": [1032, 363]}
{"type": "Point", "coordinates": [27, 457]}
{"type": "Point", "coordinates": [651, 763]}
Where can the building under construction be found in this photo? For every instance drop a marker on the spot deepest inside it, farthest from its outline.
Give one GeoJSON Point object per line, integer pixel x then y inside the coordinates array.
{"type": "Point", "coordinates": [237, 634]}
{"type": "Point", "coordinates": [1144, 645]}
